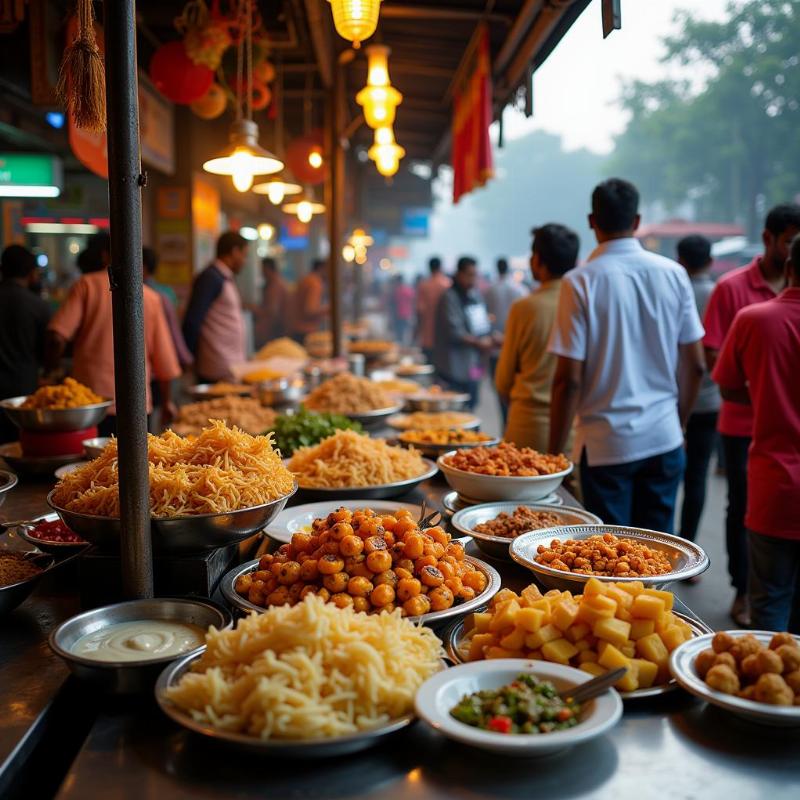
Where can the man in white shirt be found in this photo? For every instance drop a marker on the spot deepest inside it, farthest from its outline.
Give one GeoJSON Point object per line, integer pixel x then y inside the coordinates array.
{"type": "Point", "coordinates": [630, 361]}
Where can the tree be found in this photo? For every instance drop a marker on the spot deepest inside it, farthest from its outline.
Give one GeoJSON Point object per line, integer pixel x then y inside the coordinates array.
{"type": "Point", "coordinates": [729, 141]}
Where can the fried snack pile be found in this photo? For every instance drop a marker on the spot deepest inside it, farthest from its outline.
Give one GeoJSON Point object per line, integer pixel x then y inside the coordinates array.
{"type": "Point", "coordinates": [746, 667]}
{"type": "Point", "coordinates": [523, 519]}
{"type": "Point", "coordinates": [507, 460]}
{"type": "Point", "coordinates": [69, 394]}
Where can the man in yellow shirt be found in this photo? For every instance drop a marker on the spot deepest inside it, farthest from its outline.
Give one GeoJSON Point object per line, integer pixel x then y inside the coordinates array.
{"type": "Point", "coordinates": [525, 369]}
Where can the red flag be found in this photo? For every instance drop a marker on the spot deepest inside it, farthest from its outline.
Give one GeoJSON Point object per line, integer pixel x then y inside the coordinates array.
{"type": "Point", "coordinates": [472, 115]}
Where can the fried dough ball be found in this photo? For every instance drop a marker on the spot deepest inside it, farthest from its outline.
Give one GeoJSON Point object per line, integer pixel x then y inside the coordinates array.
{"type": "Point", "coordinates": [772, 689]}
{"type": "Point", "coordinates": [725, 658]}
{"type": "Point", "coordinates": [749, 668]}
{"type": "Point", "coordinates": [793, 680]}
{"type": "Point", "coordinates": [748, 693]}
{"type": "Point", "coordinates": [722, 642]}
{"type": "Point", "coordinates": [746, 645]}
{"type": "Point", "coordinates": [722, 678]}
{"type": "Point", "coordinates": [790, 656]}
{"type": "Point", "coordinates": [769, 661]}
{"type": "Point", "coordinates": [779, 639]}
{"type": "Point", "coordinates": [704, 662]}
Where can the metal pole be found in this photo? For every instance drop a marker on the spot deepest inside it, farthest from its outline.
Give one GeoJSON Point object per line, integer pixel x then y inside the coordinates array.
{"type": "Point", "coordinates": [124, 190]}
{"type": "Point", "coordinates": [334, 201]}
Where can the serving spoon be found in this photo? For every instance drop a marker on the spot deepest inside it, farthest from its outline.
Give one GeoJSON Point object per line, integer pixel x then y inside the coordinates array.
{"type": "Point", "coordinates": [594, 687]}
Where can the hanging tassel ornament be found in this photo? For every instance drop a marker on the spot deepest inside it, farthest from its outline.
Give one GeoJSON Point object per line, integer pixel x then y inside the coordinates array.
{"type": "Point", "coordinates": [81, 81]}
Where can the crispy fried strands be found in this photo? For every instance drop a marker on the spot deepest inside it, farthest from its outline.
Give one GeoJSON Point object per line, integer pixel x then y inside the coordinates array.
{"type": "Point", "coordinates": [283, 347]}
{"type": "Point", "coordinates": [69, 394]}
{"type": "Point", "coordinates": [309, 671]}
{"type": "Point", "coordinates": [443, 436]}
{"type": "Point", "coordinates": [422, 420]}
{"type": "Point", "coordinates": [243, 412]}
{"type": "Point", "coordinates": [349, 459]}
{"type": "Point", "coordinates": [222, 469]}
{"type": "Point", "coordinates": [347, 394]}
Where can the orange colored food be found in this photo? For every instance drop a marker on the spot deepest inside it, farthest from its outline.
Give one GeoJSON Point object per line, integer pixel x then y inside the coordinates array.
{"type": "Point", "coordinates": [69, 394]}
{"type": "Point", "coordinates": [507, 460]}
{"type": "Point", "coordinates": [606, 555]}
{"type": "Point", "coordinates": [373, 562]}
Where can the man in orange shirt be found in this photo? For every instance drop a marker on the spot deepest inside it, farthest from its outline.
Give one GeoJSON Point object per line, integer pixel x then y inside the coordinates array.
{"type": "Point", "coordinates": [85, 320]}
{"type": "Point", "coordinates": [429, 292]}
{"type": "Point", "coordinates": [309, 310]}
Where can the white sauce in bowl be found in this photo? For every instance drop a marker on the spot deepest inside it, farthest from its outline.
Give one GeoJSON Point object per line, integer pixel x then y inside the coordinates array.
{"type": "Point", "coordinates": [139, 640]}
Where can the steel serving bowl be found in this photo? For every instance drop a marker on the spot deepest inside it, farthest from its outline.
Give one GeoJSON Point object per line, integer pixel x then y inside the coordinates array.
{"type": "Point", "coordinates": [284, 748]}
{"type": "Point", "coordinates": [681, 664]}
{"type": "Point", "coordinates": [433, 618]}
{"type": "Point", "coordinates": [206, 391]}
{"type": "Point", "coordinates": [435, 450]}
{"type": "Point", "coordinates": [687, 558]}
{"type": "Point", "coordinates": [413, 370]}
{"type": "Point", "coordinates": [16, 593]}
{"type": "Point", "coordinates": [54, 419]}
{"type": "Point", "coordinates": [125, 677]}
{"type": "Point", "coordinates": [189, 533]}
{"type": "Point", "coordinates": [453, 502]}
{"type": "Point", "coordinates": [281, 392]}
{"type": "Point", "coordinates": [372, 419]}
{"type": "Point", "coordinates": [94, 447]}
{"type": "Point", "coordinates": [23, 531]}
{"type": "Point", "coordinates": [456, 644]}
{"type": "Point", "coordinates": [34, 466]}
{"type": "Point", "coordinates": [467, 519]}
{"type": "Point", "coordinates": [434, 401]}
{"type": "Point", "coordinates": [379, 492]}
{"type": "Point", "coordinates": [8, 480]}
{"type": "Point", "coordinates": [500, 487]}
{"type": "Point", "coordinates": [400, 423]}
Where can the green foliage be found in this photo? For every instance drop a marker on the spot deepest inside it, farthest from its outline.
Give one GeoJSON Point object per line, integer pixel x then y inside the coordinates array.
{"type": "Point", "coordinates": [729, 138]}
{"type": "Point", "coordinates": [305, 428]}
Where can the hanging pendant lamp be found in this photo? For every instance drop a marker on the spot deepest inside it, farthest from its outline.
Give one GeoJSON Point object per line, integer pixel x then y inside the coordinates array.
{"type": "Point", "coordinates": [355, 20]}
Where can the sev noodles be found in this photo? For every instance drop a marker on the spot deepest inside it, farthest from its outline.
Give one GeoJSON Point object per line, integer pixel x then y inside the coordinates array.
{"type": "Point", "coordinates": [246, 413]}
{"type": "Point", "coordinates": [348, 394]}
{"type": "Point", "coordinates": [308, 671]}
{"type": "Point", "coordinates": [350, 459]}
{"type": "Point", "coordinates": [223, 469]}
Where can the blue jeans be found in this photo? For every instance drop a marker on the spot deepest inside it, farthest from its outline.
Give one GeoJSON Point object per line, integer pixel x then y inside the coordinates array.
{"type": "Point", "coordinates": [639, 493]}
{"type": "Point", "coordinates": [774, 583]}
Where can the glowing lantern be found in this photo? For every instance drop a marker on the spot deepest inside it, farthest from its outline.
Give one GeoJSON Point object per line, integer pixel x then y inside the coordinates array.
{"type": "Point", "coordinates": [176, 76]}
{"type": "Point", "coordinates": [385, 152]}
{"type": "Point", "coordinates": [355, 20]}
{"type": "Point", "coordinates": [299, 158]}
{"type": "Point", "coordinates": [243, 157]}
{"type": "Point", "coordinates": [276, 189]}
{"type": "Point", "coordinates": [379, 98]}
{"type": "Point", "coordinates": [304, 208]}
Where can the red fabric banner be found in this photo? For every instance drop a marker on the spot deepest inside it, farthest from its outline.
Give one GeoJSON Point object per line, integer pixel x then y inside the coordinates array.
{"type": "Point", "coordinates": [472, 115]}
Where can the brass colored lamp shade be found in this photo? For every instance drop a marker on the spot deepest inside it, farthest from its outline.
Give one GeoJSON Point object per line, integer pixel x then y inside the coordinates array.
{"type": "Point", "coordinates": [355, 20]}
{"type": "Point", "coordinates": [243, 157]}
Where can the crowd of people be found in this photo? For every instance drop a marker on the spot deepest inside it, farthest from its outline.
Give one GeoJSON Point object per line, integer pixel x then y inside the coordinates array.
{"type": "Point", "coordinates": [639, 365]}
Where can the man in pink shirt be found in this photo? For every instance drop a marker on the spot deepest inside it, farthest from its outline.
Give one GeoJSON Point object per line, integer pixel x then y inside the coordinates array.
{"type": "Point", "coordinates": [428, 293]}
{"type": "Point", "coordinates": [214, 326]}
{"type": "Point", "coordinates": [758, 369]}
{"type": "Point", "coordinates": [760, 280]}
{"type": "Point", "coordinates": [85, 320]}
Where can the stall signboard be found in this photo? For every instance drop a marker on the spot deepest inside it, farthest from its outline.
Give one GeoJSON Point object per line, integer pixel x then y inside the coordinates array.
{"type": "Point", "coordinates": [173, 230]}
{"type": "Point", "coordinates": [30, 175]}
{"type": "Point", "coordinates": [415, 222]}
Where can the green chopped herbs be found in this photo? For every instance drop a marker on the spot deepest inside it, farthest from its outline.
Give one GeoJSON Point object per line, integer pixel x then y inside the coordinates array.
{"type": "Point", "coordinates": [525, 706]}
{"type": "Point", "coordinates": [306, 428]}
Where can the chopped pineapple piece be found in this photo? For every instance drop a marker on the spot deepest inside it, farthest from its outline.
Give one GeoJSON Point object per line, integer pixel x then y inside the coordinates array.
{"type": "Point", "coordinates": [645, 606]}
{"type": "Point", "coordinates": [559, 650]}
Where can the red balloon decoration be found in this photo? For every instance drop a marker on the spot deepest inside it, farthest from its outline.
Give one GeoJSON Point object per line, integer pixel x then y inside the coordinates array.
{"type": "Point", "coordinates": [176, 76]}
{"type": "Point", "coordinates": [297, 154]}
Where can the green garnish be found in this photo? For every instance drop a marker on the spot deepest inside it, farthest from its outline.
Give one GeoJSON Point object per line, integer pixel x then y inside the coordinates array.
{"type": "Point", "coordinates": [306, 428]}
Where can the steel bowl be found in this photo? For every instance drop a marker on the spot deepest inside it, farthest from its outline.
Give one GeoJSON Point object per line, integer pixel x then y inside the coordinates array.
{"type": "Point", "coordinates": [434, 401]}
{"type": "Point", "coordinates": [467, 519]}
{"type": "Point", "coordinates": [281, 393]}
{"type": "Point", "coordinates": [435, 450]}
{"type": "Point", "coordinates": [205, 391]}
{"type": "Point", "coordinates": [189, 533]}
{"type": "Point", "coordinates": [379, 492]}
{"type": "Point", "coordinates": [681, 664]}
{"type": "Point", "coordinates": [491, 488]}
{"type": "Point", "coordinates": [94, 447]}
{"type": "Point", "coordinates": [399, 423]}
{"type": "Point", "coordinates": [372, 419]}
{"type": "Point", "coordinates": [433, 619]}
{"type": "Point", "coordinates": [23, 531]}
{"type": "Point", "coordinates": [16, 593]}
{"type": "Point", "coordinates": [8, 480]}
{"type": "Point", "coordinates": [283, 748]}
{"type": "Point", "coordinates": [456, 644]}
{"type": "Point", "coordinates": [688, 559]}
{"type": "Point", "coordinates": [125, 677]}
{"type": "Point", "coordinates": [413, 370]}
{"type": "Point", "coordinates": [51, 420]}
{"type": "Point", "coordinates": [34, 466]}
{"type": "Point", "coordinates": [453, 502]}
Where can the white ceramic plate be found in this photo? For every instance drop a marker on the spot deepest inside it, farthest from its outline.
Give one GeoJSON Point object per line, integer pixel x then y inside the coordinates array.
{"type": "Point", "coordinates": [441, 692]}
{"type": "Point", "coordinates": [681, 664]}
{"type": "Point", "coordinates": [298, 519]}
{"type": "Point", "coordinates": [67, 468]}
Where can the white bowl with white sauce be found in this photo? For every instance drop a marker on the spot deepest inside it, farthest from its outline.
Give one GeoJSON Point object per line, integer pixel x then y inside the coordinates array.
{"type": "Point", "coordinates": [122, 648]}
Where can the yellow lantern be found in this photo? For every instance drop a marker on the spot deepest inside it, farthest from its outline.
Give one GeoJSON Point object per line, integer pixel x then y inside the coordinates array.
{"type": "Point", "coordinates": [276, 189]}
{"type": "Point", "coordinates": [305, 208]}
{"type": "Point", "coordinates": [243, 158]}
{"type": "Point", "coordinates": [385, 152]}
{"type": "Point", "coordinates": [379, 98]}
{"type": "Point", "coordinates": [355, 20]}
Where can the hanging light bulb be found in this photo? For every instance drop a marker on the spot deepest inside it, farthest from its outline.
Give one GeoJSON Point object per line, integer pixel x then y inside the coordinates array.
{"type": "Point", "coordinates": [379, 98]}
{"type": "Point", "coordinates": [305, 208]}
{"type": "Point", "coordinates": [349, 253]}
{"type": "Point", "coordinates": [315, 158]}
{"type": "Point", "coordinates": [355, 20]}
{"type": "Point", "coordinates": [276, 189]}
{"type": "Point", "coordinates": [243, 157]}
{"type": "Point", "coordinates": [385, 152]}
{"type": "Point", "coordinates": [360, 238]}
